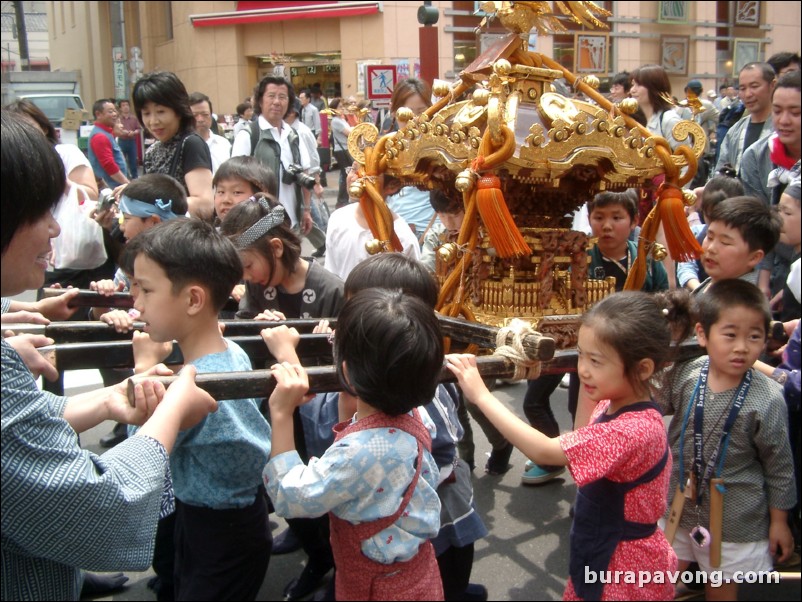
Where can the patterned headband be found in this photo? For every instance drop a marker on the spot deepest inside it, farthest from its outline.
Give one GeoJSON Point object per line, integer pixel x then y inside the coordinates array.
{"type": "Point", "coordinates": [274, 218]}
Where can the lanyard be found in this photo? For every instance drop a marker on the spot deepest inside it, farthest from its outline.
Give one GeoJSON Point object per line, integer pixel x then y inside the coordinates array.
{"type": "Point", "coordinates": [699, 394]}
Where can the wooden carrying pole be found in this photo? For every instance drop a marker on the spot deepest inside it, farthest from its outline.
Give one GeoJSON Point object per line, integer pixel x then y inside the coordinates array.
{"type": "Point", "coordinates": [120, 354]}
{"type": "Point", "coordinates": [536, 346]}
{"type": "Point", "coordinates": [105, 355]}
{"type": "Point", "coordinates": [260, 383]}
{"type": "Point", "coordinates": [87, 298]}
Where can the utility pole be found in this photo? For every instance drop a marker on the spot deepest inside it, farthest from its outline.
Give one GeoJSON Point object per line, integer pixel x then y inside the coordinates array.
{"type": "Point", "coordinates": [22, 36]}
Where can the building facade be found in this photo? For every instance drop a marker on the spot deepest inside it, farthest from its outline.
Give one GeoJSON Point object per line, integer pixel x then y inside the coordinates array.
{"type": "Point", "coordinates": [224, 48]}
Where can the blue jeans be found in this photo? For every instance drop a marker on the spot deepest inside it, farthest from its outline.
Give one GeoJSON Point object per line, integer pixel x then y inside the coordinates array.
{"type": "Point", "coordinates": [128, 147]}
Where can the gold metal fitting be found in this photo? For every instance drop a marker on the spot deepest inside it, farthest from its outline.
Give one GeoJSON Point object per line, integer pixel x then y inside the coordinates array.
{"type": "Point", "coordinates": [481, 96]}
{"type": "Point", "coordinates": [659, 252]}
{"type": "Point", "coordinates": [403, 115]}
{"type": "Point", "coordinates": [356, 189]}
{"type": "Point", "coordinates": [502, 67]}
{"type": "Point", "coordinates": [592, 81]}
{"type": "Point", "coordinates": [448, 253]}
{"type": "Point", "coordinates": [465, 180]}
{"type": "Point", "coordinates": [689, 198]}
{"type": "Point", "coordinates": [628, 106]}
{"type": "Point", "coordinates": [441, 89]}
{"type": "Point", "coordinates": [374, 246]}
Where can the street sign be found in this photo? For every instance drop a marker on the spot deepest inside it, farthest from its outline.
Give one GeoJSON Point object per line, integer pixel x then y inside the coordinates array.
{"type": "Point", "coordinates": [381, 81]}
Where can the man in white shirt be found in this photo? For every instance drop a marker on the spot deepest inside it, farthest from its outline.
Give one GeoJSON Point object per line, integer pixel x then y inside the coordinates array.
{"type": "Point", "coordinates": [278, 147]}
{"type": "Point", "coordinates": [202, 110]}
{"type": "Point", "coordinates": [244, 113]}
{"type": "Point", "coordinates": [310, 115]}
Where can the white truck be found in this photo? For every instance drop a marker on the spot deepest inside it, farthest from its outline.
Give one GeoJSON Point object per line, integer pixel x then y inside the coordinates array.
{"type": "Point", "coordinates": [52, 91]}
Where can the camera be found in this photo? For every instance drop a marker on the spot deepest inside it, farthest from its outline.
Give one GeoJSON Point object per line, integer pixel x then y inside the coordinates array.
{"type": "Point", "coordinates": [294, 174]}
{"type": "Point", "coordinates": [106, 200]}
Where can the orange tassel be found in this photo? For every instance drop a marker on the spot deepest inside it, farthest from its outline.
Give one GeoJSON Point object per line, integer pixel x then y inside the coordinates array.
{"type": "Point", "coordinates": [504, 235]}
{"type": "Point", "coordinates": [682, 244]}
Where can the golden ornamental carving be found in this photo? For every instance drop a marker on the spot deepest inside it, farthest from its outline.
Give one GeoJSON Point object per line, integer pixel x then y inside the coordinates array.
{"type": "Point", "coordinates": [548, 154]}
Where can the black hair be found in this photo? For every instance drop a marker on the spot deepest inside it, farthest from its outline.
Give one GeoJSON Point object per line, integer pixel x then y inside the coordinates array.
{"type": "Point", "coordinates": [242, 107]}
{"type": "Point", "coordinates": [628, 199]}
{"type": "Point", "coordinates": [726, 294]}
{"type": "Point", "coordinates": [392, 349]}
{"type": "Point", "coordinates": [758, 225]}
{"type": "Point", "coordinates": [638, 325]}
{"type": "Point", "coordinates": [393, 271]}
{"type": "Point", "coordinates": [305, 91]}
{"type": "Point", "coordinates": [198, 97]}
{"type": "Point", "coordinates": [166, 89]}
{"type": "Point", "coordinates": [622, 79]}
{"type": "Point", "coordinates": [151, 187]}
{"type": "Point", "coordinates": [243, 216]}
{"type": "Point", "coordinates": [260, 177]}
{"type": "Point", "coordinates": [100, 103]}
{"type": "Point", "coordinates": [444, 203]}
{"type": "Point", "coordinates": [766, 70]}
{"type": "Point", "coordinates": [727, 170]}
{"type": "Point", "coordinates": [190, 251]}
{"type": "Point", "coordinates": [781, 60]}
{"type": "Point", "coordinates": [717, 189]}
{"type": "Point", "coordinates": [792, 79]}
{"type": "Point", "coordinates": [259, 91]}
{"type": "Point", "coordinates": [23, 106]}
{"type": "Point", "coordinates": [33, 175]}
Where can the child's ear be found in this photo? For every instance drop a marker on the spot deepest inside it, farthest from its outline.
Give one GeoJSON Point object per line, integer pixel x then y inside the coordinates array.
{"type": "Point", "coordinates": [645, 369]}
{"type": "Point", "coordinates": [700, 335]}
{"type": "Point", "coordinates": [196, 299]}
{"type": "Point", "coordinates": [278, 247]}
{"type": "Point", "coordinates": [755, 257]}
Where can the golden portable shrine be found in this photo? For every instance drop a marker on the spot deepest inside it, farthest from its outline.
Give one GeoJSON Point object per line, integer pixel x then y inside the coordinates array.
{"type": "Point", "coordinates": [524, 157]}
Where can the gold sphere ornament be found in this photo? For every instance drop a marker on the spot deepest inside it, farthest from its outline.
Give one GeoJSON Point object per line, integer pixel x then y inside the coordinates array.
{"type": "Point", "coordinates": [481, 96]}
{"type": "Point", "coordinates": [441, 89]}
{"type": "Point", "coordinates": [374, 246]}
{"type": "Point", "coordinates": [447, 253]}
{"type": "Point", "coordinates": [465, 181]}
{"type": "Point", "coordinates": [689, 198]}
{"type": "Point", "coordinates": [659, 252]}
{"type": "Point", "coordinates": [592, 81]}
{"type": "Point", "coordinates": [356, 189]}
{"type": "Point", "coordinates": [403, 115]}
{"type": "Point", "coordinates": [502, 67]}
{"type": "Point", "coordinates": [628, 106]}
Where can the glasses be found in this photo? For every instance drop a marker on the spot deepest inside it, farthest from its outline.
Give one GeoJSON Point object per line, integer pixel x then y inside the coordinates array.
{"type": "Point", "coordinates": [281, 97]}
{"type": "Point", "coordinates": [350, 169]}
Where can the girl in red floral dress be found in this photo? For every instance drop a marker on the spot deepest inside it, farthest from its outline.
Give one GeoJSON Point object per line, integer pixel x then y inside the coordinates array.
{"type": "Point", "coordinates": [620, 461]}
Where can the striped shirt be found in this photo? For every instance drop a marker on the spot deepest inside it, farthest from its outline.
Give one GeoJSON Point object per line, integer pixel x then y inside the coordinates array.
{"type": "Point", "coordinates": [64, 508]}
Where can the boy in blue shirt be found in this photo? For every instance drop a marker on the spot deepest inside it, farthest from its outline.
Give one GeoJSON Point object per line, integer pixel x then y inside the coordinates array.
{"type": "Point", "coordinates": [183, 272]}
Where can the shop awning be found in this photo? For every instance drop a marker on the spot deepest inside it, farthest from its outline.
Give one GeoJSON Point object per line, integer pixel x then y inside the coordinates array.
{"type": "Point", "coordinates": [264, 12]}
